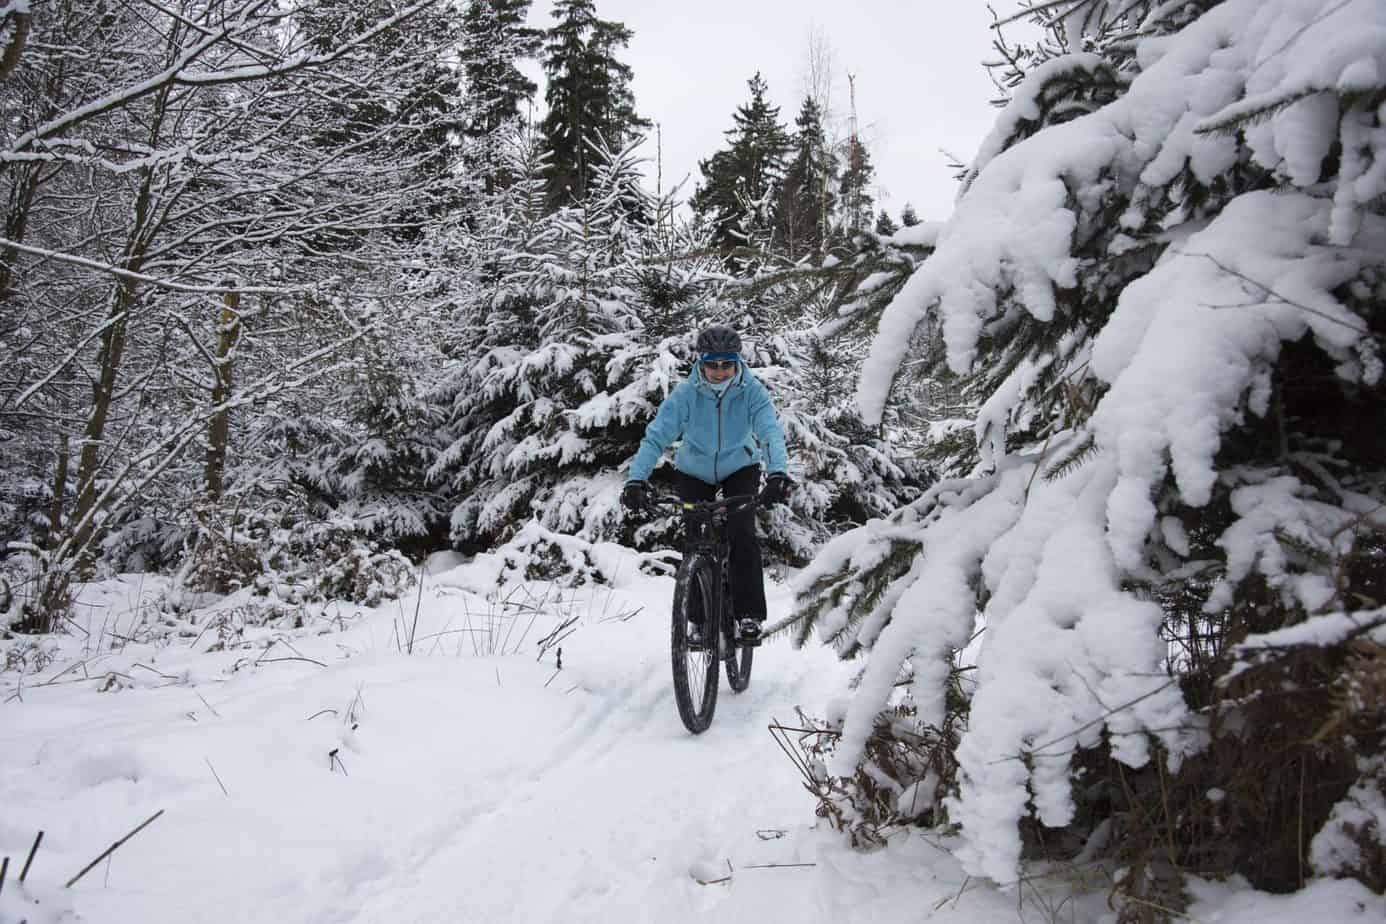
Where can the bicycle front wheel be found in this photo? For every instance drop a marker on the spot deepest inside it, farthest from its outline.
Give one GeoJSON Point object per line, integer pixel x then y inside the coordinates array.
{"type": "Point", "coordinates": [695, 666]}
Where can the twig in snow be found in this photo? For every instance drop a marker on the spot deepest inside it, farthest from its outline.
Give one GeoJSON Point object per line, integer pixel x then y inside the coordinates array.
{"type": "Point", "coordinates": [356, 708]}
{"type": "Point", "coordinates": [961, 889]}
{"type": "Point", "coordinates": [112, 849]}
{"type": "Point", "coordinates": [208, 705]}
{"type": "Point", "coordinates": [274, 660]}
{"type": "Point", "coordinates": [418, 602]}
{"type": "Point", "coordinates": [76, 664]}
{"type": "Point", "coordinates": [561, 631]}
{"type": "Point", "coordinates": [334, 761]}
{"type": "Point", "coordinates": [4, 868]}
{"type": "Point", "coordinates": [776, 865]}
{"type": "Point", "coordinates": [32, 850]}
{"type": "Point", "coordinates": [726, 878]}
{"type": "Point", "coordinates": [551, 676]}
{"type": "Point", "coordinates": [218, 778]}
{"type": "Point", "coordinates": [318, 713]}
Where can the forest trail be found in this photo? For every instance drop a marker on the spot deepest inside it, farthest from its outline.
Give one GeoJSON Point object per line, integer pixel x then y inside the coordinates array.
{"type": "Point", "coordinates": [450, 785]}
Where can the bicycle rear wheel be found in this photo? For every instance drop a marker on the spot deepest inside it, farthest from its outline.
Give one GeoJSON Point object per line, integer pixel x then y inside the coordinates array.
{"type": "Point", "coordinates": [739, 667]}
{"type": "Point", "coordinates": [695, 667]}
{"type": "Point", "coordinates": [736, 656]}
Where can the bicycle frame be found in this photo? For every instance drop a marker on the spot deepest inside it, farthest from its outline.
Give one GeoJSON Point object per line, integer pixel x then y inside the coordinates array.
{"type": "Point", "coordinates": [707, 550]}
{"type": "Point", "coordinates": [705, 533]}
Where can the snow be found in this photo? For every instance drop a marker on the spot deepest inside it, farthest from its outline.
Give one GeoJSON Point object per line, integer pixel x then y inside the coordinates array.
{"type": "Point", "coordinates": [1322, 630]}
{"type": "Point", "coordinates": [1342, 901]}
{"type": "Point", "coordinates": [1360, 817]}
{"type": "Point", "coordinates": [1187, 354]}
{"type": "Point", "coordinates": [1191, 337]}
{"type": "Point", "coordinates": [1013, 227]}
{"type": "Point", "coordinates": [470, 780]}
{"type": "Point", "coordinates": [1024, 106]}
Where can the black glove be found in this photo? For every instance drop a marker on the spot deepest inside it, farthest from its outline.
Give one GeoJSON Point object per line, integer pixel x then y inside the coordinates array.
{"type": "Point", "coordinates": [636, 496]}
{"type": "Point", "coordinates": [777, 489]}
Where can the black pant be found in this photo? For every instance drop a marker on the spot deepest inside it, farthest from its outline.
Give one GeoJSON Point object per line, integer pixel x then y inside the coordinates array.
{"type": "Point", "coordinates": [747, 576]}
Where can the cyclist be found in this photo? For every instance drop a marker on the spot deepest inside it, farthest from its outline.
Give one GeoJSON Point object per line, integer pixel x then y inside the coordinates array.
{"type": "Point", "coordinates": [721, 410]}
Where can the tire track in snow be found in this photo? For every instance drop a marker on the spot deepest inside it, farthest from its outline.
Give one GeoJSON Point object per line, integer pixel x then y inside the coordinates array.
{"type": "Point", "coordinates": [626, 807]}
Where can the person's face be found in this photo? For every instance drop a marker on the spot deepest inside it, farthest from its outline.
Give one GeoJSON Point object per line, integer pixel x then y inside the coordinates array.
{"type": "Point", "coordinates": [718, 371]}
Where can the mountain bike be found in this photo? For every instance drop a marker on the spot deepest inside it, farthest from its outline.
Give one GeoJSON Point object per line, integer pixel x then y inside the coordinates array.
{"type": "Point", "coordinates": [702, 587]}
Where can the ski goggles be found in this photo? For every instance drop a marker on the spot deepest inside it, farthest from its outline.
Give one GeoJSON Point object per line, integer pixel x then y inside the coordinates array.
{"type": "Point", "coordinates": [719, 362]}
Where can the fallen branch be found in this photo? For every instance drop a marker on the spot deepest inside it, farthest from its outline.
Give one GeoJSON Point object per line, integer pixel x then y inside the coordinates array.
{"type": "Point", "coordinates": [112, 849]}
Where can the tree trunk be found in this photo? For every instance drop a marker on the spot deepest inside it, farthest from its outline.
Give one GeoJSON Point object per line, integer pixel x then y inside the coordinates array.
{"type": "Point", "coordinates": [228, 331]}
{"type": "Point", "coordinates": [55, 512]}
{"type": "Point", "coordinates": [103, 393]}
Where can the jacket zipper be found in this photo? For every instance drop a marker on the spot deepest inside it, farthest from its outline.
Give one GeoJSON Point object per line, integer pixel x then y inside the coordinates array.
{"type": "Point", "coordinates": [718, 453]}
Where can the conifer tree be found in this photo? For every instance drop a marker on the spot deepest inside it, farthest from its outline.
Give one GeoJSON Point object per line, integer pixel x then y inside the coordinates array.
{"type": "Point", "coordinates": [908, 217]}
{"type": "Point", "coordinates": [588, 95]}
{"type": "Point", "coordinates": [740, 182]}
{"type": "Point", "coordinates": [807, 197]}
{"type": "Point", "coordinates": [494, 38]}
{"type": "Point", "coordinates": [885, 225]}
{"type": "Point", "coordinates": [854, 189]}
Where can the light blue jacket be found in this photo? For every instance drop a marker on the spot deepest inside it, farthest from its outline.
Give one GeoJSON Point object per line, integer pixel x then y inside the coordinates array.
{"type": "Point", "coordinates": [720, 435]}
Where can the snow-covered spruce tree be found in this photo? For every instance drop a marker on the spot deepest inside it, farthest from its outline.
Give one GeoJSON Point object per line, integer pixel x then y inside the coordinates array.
{"type": "Point", "coordinates": [587, 328]}
{"type": "Point", "coordinates": [1174, 541]}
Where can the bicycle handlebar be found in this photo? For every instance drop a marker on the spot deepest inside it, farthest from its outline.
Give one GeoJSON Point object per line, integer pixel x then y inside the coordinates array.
{"type": "Point", "coordinates": [731, 504]}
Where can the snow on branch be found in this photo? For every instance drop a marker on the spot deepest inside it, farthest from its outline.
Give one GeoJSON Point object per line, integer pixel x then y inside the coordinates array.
{"type": "Point", "coordinates": [1014, 229]}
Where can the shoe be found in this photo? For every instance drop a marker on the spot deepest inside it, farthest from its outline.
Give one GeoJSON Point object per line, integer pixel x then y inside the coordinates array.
{"type": "Point", "coordinates": [748, 630]}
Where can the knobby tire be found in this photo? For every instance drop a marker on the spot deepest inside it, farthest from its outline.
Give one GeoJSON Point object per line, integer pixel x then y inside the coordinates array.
{"type": "Point", "coordinates": [736, 656]}
{"type": "Point", "coordinates": [739, 667]}
{"type": "Point", "coordinates": [695, 672]}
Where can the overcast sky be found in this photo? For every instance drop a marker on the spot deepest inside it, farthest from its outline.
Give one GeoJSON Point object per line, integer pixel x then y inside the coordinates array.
{"type": "Point", "coordinates": [920, 83]}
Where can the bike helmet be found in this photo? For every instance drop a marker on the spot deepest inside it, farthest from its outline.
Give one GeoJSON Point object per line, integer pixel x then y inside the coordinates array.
{"type": "Point", "coordinates": [719, 338]}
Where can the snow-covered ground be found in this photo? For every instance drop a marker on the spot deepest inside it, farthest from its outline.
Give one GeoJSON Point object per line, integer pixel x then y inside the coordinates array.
{"type": "Point", "coordinates": [323, 774]}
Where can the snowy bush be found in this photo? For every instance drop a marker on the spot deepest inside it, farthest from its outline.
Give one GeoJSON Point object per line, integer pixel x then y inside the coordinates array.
{"type": "Point", "coordinates": [900, 780]}
{"type": "Point", "coordinates": [305, 561]}
{"type": "Point", "coordinates": [1164, 283]}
